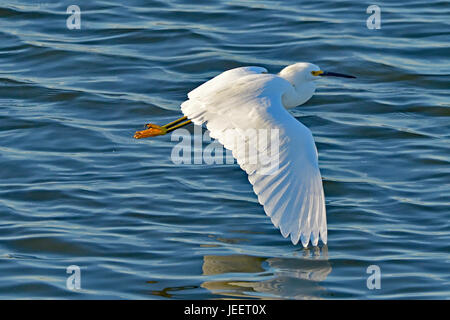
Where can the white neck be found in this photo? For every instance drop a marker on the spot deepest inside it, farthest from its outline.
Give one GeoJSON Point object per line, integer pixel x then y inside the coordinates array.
{"type": "Point", "coordinates": [299, 94]}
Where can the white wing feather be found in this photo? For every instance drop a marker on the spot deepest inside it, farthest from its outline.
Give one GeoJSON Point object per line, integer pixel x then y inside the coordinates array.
{"type": "Point", "coordinates": [245, 98]}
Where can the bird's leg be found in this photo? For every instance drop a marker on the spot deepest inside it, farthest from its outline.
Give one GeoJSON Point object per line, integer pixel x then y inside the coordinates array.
{"type": "Point", "coordinates": [178, 125]}
{"type": "Point", "coordinates": [154, 130]}
{"type": "Point", "coordinates": [174, 122]}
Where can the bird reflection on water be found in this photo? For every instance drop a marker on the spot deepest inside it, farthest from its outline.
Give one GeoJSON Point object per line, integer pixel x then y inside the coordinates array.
{"type": "Point", "coordinates": [278, 277]}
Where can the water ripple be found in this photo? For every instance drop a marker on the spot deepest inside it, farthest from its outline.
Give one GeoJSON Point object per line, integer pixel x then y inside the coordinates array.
{"type": "Point", "coordinates": [76, 189]}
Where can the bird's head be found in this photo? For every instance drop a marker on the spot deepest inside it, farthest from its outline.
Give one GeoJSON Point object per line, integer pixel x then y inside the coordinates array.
{"type": "Point", "coordinates": [302, 76]}
{"type": "Point", "coordinates": [301, 72]}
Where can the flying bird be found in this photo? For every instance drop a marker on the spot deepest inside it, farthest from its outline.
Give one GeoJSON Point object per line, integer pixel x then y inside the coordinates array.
{"type": "Point", "coordinates": [247, 100]}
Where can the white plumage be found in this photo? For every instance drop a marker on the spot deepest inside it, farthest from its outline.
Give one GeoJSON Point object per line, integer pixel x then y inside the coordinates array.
{"type": "Point", "coordinates": [249, 98]}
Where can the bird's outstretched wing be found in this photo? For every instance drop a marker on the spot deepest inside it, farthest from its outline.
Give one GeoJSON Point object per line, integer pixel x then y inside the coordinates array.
{"type": "Point", "coordinates": [239, 107]}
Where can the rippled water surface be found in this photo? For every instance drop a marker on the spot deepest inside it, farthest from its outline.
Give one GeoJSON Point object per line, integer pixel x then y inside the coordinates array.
{"type": "Point", "coordinates": [77, 189]}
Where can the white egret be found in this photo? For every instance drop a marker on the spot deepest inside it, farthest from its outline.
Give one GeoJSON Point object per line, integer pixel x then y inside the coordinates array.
{"type": "Point", "coordinates": [250, 98]}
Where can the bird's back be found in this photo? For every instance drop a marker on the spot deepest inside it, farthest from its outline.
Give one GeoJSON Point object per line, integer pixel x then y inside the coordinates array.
{"type": "Point", "coordinates": [234, 88]}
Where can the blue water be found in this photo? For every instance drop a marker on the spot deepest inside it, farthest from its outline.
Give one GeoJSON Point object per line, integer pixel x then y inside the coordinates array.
{"type": "Point", "coordinates": [77, 189]}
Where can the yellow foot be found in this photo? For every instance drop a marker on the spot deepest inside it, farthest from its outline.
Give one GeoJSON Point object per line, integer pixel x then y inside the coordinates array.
{"type": "Point", "coordinates": [152, 131]}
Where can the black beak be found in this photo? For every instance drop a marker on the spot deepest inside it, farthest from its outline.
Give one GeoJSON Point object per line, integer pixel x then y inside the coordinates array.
{"type": "Point", "coordinates": [335, 74]}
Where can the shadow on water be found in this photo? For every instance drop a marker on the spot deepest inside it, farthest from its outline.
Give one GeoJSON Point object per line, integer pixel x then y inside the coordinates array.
{"type": "Point", "coordinates": [293, 278]}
